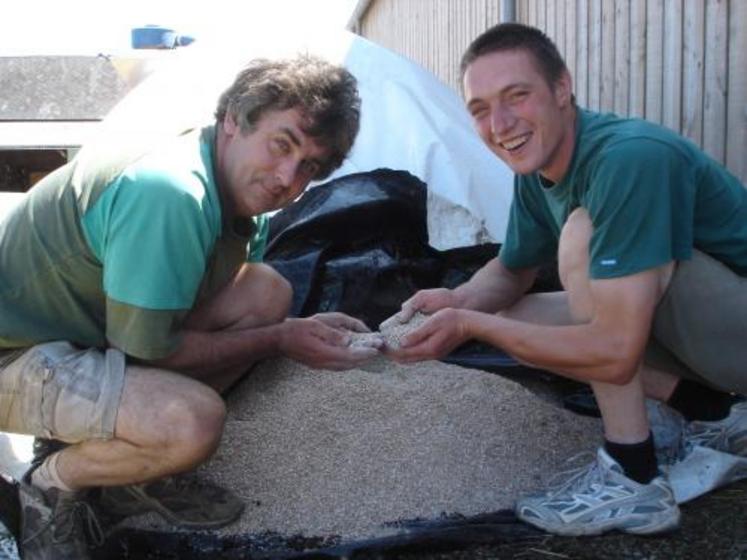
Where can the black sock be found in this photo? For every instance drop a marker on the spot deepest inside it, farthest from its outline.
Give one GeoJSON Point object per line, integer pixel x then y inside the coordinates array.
{"type": "Point", "coordinates": [699, 402]}
{"type": "Point", "coordinates": [638, 460]}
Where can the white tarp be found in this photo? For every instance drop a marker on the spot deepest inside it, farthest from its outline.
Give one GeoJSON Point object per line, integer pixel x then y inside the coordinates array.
{"type": "Point", "coordinates": [8, 201]}
{"type": "Point", "coordinates": [410, 121]}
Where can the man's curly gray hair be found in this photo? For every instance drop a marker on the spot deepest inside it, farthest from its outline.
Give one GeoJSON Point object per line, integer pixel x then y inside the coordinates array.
{"type": "Point", "coordinates": [326, 95]}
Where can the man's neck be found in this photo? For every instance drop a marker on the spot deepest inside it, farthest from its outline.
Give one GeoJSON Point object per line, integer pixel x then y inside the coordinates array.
{"type": "Point", "coordinates": [561, 159]}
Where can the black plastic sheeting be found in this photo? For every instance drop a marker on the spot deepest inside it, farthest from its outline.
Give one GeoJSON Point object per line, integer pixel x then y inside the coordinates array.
{"type": "Point", "coordinates": [423, 536]}
{"type": "Point", "coordinates": [358, 244]}
{"type": "Point", "coordinates": [9, 505]}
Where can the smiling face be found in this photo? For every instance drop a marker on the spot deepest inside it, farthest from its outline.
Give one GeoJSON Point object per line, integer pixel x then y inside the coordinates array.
{"type": "Point", "coordinates": [525, 122]}
{"type": "Point", "coordinates": [268, 167]}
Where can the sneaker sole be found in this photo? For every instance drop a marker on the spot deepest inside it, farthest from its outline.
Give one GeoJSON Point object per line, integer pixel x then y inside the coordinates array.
{"type": "Point", "coordinates": [648, 524]}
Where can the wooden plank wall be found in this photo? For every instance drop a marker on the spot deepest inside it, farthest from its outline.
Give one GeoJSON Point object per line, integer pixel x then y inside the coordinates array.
{"type": "Point", "coordinates": [680, 63]}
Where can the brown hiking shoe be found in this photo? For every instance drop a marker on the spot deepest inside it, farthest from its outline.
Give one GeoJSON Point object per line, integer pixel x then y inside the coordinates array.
{"type": "Point", "coordinates": [54, 524]}
{"type": "Point", "coordinates": [183, 500]}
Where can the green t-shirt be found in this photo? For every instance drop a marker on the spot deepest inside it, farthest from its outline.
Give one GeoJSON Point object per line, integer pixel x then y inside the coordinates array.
{"type": "Point", "coordinates": [115, 247]}
{"type": "Point", "coordinates": [652, 196]}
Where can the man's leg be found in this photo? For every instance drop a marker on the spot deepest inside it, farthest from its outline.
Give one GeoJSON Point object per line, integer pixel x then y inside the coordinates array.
{"type": "Point", "coordinates": [700, 432]}
{"type": "Point", "coordinates": [699, 328]}
{"type": "Point", "coordinates": [622, 407]}
{"type": "Point", "coordinates": [166, 424]}
{"type": "Point", "coordinates": [256, 296]}
{"type": "Point", "coordinates": [621, 489]}
{"type": "Point", "coordinates": [664, 378]}
{"type": "Point", "coordinates": [122, 426]}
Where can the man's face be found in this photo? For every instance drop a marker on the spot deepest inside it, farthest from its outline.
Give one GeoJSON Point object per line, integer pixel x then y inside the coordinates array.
{"type": "Point", "coordinates": [268, 168]}
{"type": "Point", "coordinates": [518, 116]}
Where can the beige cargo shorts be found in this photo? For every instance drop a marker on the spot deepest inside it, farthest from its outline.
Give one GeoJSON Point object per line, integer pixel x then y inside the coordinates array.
{"type": "Point", "coordinates": [56, 390]}
{"type": "Point", "coordinates": [700, 325]}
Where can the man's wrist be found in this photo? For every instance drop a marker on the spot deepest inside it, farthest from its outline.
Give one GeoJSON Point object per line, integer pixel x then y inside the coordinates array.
{"type": "Point", "coordinates": [466, 323]}
{"type": "Point", "coordinates": [278, 337]}
{"type": "Point", "coordinates": [460, 297]}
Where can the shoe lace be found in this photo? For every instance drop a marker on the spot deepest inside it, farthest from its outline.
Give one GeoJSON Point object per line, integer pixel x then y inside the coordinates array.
{"type": "Point", "coordinates": [582, 476]}
{"type": "Point", "coordinates": [727, 435]}
{"type": "Point", "coordinates": [180, 483]}
{"type": "Point", "coordinates": [715, 437]}
{"type": "Point", "coordinates": [72, 518]}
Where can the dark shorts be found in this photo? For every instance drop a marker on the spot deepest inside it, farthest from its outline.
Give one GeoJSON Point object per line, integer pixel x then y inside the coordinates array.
{"type": "Point", "coordinates": [700, 325]}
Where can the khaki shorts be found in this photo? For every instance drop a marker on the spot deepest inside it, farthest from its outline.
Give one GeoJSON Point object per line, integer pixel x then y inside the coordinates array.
{"type": "Point", "coordinates": [55, 390]}
{"type": "Point", "coordinates": [700, 325]}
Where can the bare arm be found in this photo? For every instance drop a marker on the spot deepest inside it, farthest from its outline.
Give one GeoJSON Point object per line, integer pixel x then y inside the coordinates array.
{"type": "Point", "coordinates": [608, 348]}
{"type": "Point", "coordinates": [320, 342]}
{"type": "Point", "coordinates": [492, 288]}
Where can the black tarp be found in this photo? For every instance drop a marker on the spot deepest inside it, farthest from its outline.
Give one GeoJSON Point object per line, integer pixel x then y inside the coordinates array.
{"type": "Point", "coordinates": [359, 244]}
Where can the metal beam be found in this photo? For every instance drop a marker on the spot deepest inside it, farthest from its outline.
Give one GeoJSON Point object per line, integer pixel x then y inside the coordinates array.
{"type": "Point", "coordinates": [508, 10]}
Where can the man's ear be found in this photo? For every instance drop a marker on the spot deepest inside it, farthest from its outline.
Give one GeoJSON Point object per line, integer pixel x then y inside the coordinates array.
{"type": "Point", "coordinates": [564, 89]}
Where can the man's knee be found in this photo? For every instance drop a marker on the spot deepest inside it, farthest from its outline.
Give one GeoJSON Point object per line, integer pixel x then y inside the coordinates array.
{"type": "Point", "coordinates": [573, 264]}
{"type": "Point", "coordinates": [256, 296]}
{"type": "Point", "coordinates": [275, 292]}
{"type": "Point", "coordinates": [573, 247]}
{"type": "Point", "coordinates": [265, 291]}
{"type": "Point", "coordinates": [176, 421]}
{"type": "Point", "coordinates": [192, 425]}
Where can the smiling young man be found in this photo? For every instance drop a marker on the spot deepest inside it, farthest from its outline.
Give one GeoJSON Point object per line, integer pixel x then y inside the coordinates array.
{"type": "Point", "coordinates": [131, 295]}
{"type": "Point", "coordinates": [650, 235]}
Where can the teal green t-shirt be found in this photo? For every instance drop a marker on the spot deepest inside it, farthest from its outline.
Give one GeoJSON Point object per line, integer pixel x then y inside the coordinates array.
{"type": "Point", "coordinates": [115, 247]}
{"type": "Point", "coordinates": [652, 196]}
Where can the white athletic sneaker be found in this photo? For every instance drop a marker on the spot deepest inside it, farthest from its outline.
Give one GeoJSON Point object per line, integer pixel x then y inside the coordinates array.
{"type": "Point", "coordinates": [710, 455]}
{"type": "Point", "coordinates": [599, 498]}
{"type": "Point", "coordinates": [728, 435]}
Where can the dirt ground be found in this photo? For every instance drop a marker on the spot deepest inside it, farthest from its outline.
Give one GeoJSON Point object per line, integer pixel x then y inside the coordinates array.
{"type": "Point", "coordinates": [713, 527]}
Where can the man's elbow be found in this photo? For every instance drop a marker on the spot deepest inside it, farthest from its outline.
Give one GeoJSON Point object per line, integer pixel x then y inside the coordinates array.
{"type": "Point", "coordinates": [621, 367]}
{"type": "Point", "coordinates": [619, 375]}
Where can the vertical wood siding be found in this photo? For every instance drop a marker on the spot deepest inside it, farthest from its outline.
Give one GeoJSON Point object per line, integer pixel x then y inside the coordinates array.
{"type": "Point", "coordinates": [680, 63]}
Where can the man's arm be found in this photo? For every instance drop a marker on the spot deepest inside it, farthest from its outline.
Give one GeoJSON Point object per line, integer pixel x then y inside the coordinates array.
{"type": "Point", "coordinates": [608, 348]}
{"type": "Point", "coordinates": [492, 288]}
{"type": "Point", "coordinates": [311, 341]}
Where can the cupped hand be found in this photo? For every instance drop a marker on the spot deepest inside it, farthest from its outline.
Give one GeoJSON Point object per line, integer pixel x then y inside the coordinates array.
{"type": "Point", "coordinates": [434, 339]}
{"type": "Point", "coordinates": [427, 302]}
{"type": "Point", "coordinates": [338, 320]}
{"type": "Point", "coordinates": [314, 342]}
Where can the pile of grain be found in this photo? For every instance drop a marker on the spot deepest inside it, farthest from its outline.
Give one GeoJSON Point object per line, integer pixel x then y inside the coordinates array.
{"type": "Point", "coordinates": [340, 453]}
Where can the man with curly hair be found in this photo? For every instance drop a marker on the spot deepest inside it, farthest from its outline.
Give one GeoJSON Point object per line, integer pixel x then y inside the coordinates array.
{"type": "Point", "coordinates": [132, 294]}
